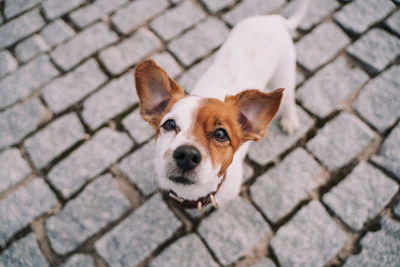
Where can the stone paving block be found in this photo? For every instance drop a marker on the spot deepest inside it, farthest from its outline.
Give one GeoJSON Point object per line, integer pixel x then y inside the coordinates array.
{"type": "Point", "coordinates": [340, 141]}
{"type": "Point", "coordinates": [57, 8]}
{"type": "Point", "coordinates": [22, 206]}
{"type": "Point", "coordinates": [140, 169]}
{"type": "Point", "coordinates": [15, 7]}
{"type": "Point", "coordinates": [199, 41]}
{"type": "Point", "coordinates": [30, 48]}
{"type": "Point", "coordinates": [248, 172]}
{"type": "Point", "coordinates": [24, 252]}
{"type": "Point", "coordinates": [53, 140]}
{"type": "Point", "coordinates": [20, 120]}
{"type": "Point", "coordinates": [90, 159]}
{"type": "Point", "coordinates": [124, 55]}
{"type": "Point", "coordinates": [13, 168]}
{"type": "Point", "coordinates": [317, 11]}
{"type": "Point", "coordinates": [188, 251]}
{"type": "Point", "coordinates": [73, 86]}
{"type": "Point", "coordinates": [299, 78]}
{"type": "Point", "coordinates": [375, 50]}
{"type": "Point", "coordinates": [7, 63]}
{"type": "Point", "coordinates": [168, 63]}
{"type": "Point", "coordinates": [79, 260]}
{"type": "Point", "coordinates": [26, 80]}
{"type": "Point", "coordinates": [396, 210]}
{"type": "Point", "coordinates": [379, 248]}
{"type": "Point", "coordinates": [248, 8]}
{"type": "Point", "coordinates": [190, 77]}
{"type": "Point", "coordinates": [216, 6]}
{"type": "Point", "coordinates": [278, 191]}
{"type": "Point", "coordinates": [329, 87]}
{"type": "Point", "coordinates": [139, 129]}
{"type": "Point", "coordinates": [90, 13]}
{"type": "Point", "coordinates": [232, 231]}
{"type": "Point", "coordinates": [264, 262]}
{"type": "Point", "coordinates": [139, 235]}
{"type": "Point", "coordinates": [98, 205]}
{"type": "Point", "coordinates": [389, 154]}
{"type": "Point", "coordinates": [359, 15]}
{"type": "Point", "coordinates": [19, 28]}
{"type": "Point", "coordinates": [378, 102]}
{"type": "Point", "coordinates": [137, 13]}
{"type": "Point", "coordinates": [361, 196]}
{"type": "Point", "coordinates": [57, 32]}
{"type": "Point", "coordinates": [174, 21]}
{"type": "Point", "coordinates": [112, 99]}
{"type": "Point", "coordinates": [83, 45]}
{"type": "Point", "coordinates": [320, 46]}
{"type": "Point", "coordinates": [310, 238]}
{"type": "Point", "coordinates": [393, 22]}
{"type": "Point", "coordinates": [276, 141]}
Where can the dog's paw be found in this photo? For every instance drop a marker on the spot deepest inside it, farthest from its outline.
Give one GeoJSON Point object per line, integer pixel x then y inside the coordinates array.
{"type": "Point", "coordinates": [290, 124]}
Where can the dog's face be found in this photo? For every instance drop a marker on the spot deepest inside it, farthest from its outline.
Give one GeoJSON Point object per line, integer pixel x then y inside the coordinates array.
{"type": "Point", "coordinates": [196, 137]}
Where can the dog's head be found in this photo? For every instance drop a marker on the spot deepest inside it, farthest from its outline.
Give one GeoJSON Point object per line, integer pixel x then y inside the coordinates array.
{"type": "Point", "coordinates": [196, 137]}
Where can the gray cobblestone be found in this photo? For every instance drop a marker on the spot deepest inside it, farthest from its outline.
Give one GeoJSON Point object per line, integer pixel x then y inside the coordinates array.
{"type": "Point", "coordinates": [137, 13]}
{"type": "Point", "coordinates": [248, 8]}
{"type": "Point", "coordinates": [20, 27]}
{"type": "Point", "coordinates": [378, 102]}
{"type": "Point", "coordinates": [379, 248]}
{"type": "Point", "coordinates": [90, 13]}
{"type": "Point", "coordinates": [7, 63]}
{"type": "Point", "coordinates": [199, 41]}
{"type": "Point", "coordinates": [340, 141]}
{"type": "Point", "coordinates": [190, 77]}
{"type": "Point", "coordinates": [83, 45]}
{"type": "Point", "coordinates": [279, 190]}
{"type": "Point", "coordinates": [359, 15]}
{"type": "Point", "coordinates": [310, 238]}
{"type": "Point", "coordinates": [79, 260]}
{"type": "Point", "coordinates": [72, 87]}
{"type": "Point", "coordinates": [176, 20]}
{"type": "Point", "coordinates": [234, 230]}
{"type": "Point", "coordinates": [276, 141]}
{"type": "Point", "coordinates": [90, 159]}
{"type": "Point", "coordinates": [30, 48]}
{"type": "Point", "coordinates": [329, 87]}
{"type": "Point", "coordinates": [361, 196]}
{"type": "Point", "coordinates": [216, 6]}
{"type": "Point", "coordinates": [396, 210]}
{"type": "Point", "coordinates": [137, 236]}
{"type": "Point", "coordinates": [187, 251]}
{"type": "Point", "coordinates": [51, 141]}
{"type": "Point", "coordinates": [389, 154]}
{"type": "Point", "coordinates": [13, 168]}
{"type": "Point", "coordinates": [139, 167]}
{"type": "Point", "coordinates": [393, 22]}
{"type": "Point", "coordinates": [375, 50]}
{"type": "Point", "coordinates": [20, 120]}
{"type": "Point", "coordinates": [26, 80]}
{"type": "Point", "coordinates": [57, 32]}
{"type": "Point", "coordinates": [22, 206]}
{"type": "Point", "coordinates": [299, 78]}
{"type": "Point", "coordinates": [109, 101]}
{"type": "Point", "coordinates": [168, 63]}
{"type": "Point", "coordinates": [99, 204]}
{"type": "Point", "coordinates": [140, 130]}
{"type": "Point", "coordinates": [57, 8]}
{"type": "Point", "coordinates": [15, 7]}
{"type": "Point", "coordinates": [318, 47]}
{"type": "Point", "coordinates": [25, 252]}
{"type": "Point", "coordinates": [264, 262]}
{"type": "Point", "coordinates": [119, 58]}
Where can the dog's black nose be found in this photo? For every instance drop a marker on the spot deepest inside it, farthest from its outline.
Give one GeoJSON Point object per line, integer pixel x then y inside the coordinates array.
{"type": "Point", "coordinates": [187, 157]}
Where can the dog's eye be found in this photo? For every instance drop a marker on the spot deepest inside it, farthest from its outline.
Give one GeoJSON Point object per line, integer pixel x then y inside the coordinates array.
{"type": "Point", "coordinates": [220, 135]}
{"type": "Point", "coordinates": [169, 125]}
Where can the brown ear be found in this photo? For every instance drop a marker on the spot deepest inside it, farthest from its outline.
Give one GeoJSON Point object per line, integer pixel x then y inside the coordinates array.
{"type": "Point", "coordinates": [256, 111]}
{"type": "Point", "coordinates": [156, 91]}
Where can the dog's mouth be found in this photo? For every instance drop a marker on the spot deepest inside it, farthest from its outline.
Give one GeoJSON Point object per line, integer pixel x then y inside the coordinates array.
{"type": "Point", "coordinates": [193, 204]}
{"type": "Point", "coordinates": [181, 180]}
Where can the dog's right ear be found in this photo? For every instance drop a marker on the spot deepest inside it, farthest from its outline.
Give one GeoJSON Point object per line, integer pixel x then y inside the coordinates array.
{"type": "Point", "coordinates": [156, 91]}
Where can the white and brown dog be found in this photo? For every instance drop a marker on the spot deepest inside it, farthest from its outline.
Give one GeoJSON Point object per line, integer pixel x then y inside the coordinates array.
{"type": "Point", "coordinates": [202, 138]}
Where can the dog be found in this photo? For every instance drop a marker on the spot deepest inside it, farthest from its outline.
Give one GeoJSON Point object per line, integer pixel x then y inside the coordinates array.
{"type": "Point", "coordinates": [203, 138]}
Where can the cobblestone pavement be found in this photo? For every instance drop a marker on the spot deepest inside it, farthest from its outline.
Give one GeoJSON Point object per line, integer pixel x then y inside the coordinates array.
{"type": "Point", "coordinates": [77, 183]}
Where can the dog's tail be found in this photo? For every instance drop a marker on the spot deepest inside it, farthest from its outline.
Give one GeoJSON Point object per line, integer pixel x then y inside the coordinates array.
{"type": "Point", "coordinates": [294, 21]}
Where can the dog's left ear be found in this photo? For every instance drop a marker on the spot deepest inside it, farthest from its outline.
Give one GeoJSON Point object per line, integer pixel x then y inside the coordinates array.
{"type": "Point", "coordinates": [255, 110]}
{"type": "Point", "coordinates": [156, 91]}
